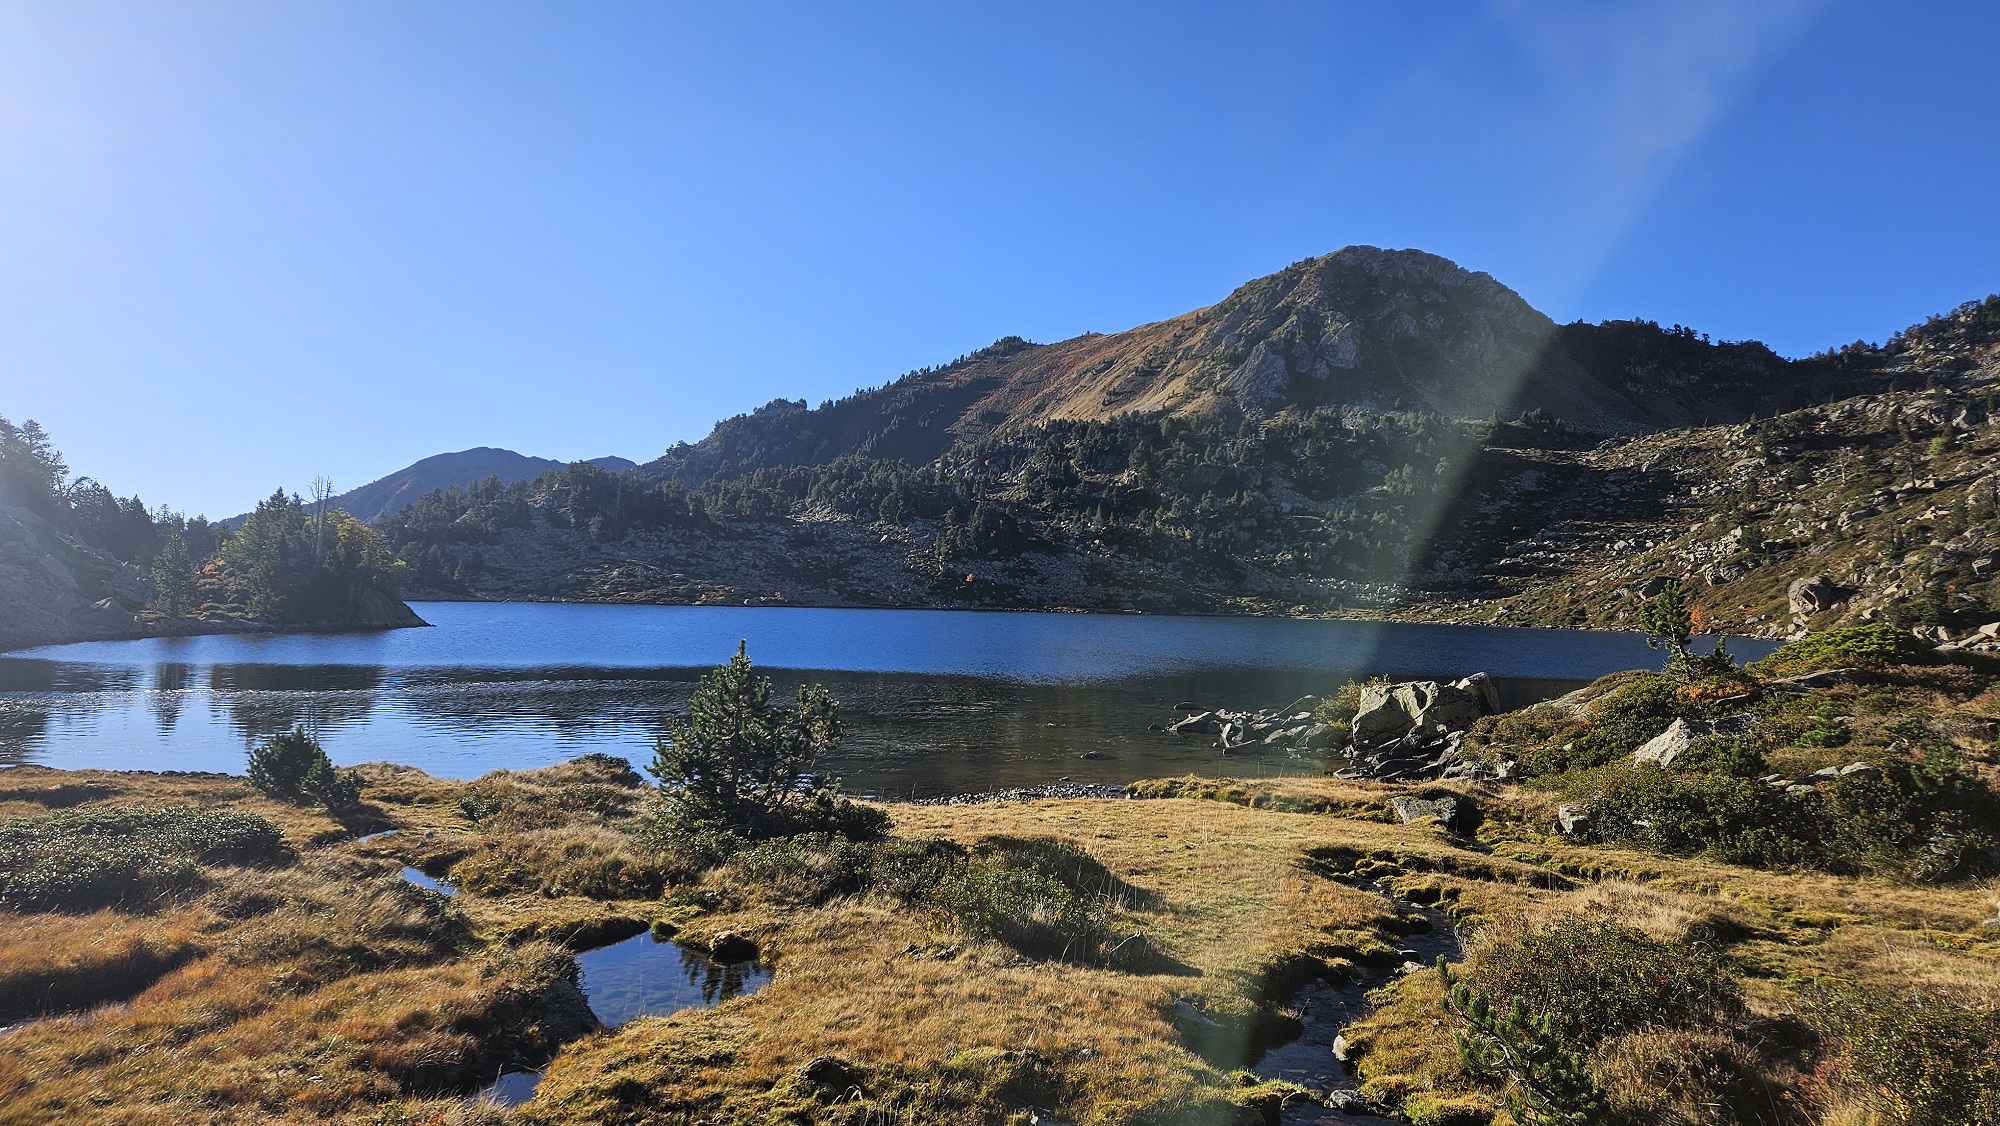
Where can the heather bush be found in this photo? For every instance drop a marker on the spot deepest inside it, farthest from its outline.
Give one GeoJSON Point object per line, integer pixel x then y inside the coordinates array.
{"type": "Point", "coordinates": [1617, 723]}
{"type": "Point", "coordinates": [1847, 647]}
{"type": "Point", "coordinates": [83, 859]}
{"type": "Point", "coordinates": [1911, 1057]}
{"type": "Point", "coordinates": [1593, 980]}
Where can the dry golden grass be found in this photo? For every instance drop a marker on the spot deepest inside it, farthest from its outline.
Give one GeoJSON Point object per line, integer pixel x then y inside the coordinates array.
{"type": "Point", "coordinates": [330, 991]}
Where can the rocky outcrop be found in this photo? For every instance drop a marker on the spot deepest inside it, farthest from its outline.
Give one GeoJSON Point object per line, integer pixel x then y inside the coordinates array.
{"type": "Point", "coordinates": [1681, 734]}
{"type": "Point", "coordinates": [55, 590]}
{"type": "Point", "coordinates": [1815, 594]}
{"type": "Point", "coordinates": [1416, 730]}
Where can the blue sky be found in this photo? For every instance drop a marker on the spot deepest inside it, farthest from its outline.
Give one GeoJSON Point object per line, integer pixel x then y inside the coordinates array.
{"type": "Point", "coordinates": [245, 244]}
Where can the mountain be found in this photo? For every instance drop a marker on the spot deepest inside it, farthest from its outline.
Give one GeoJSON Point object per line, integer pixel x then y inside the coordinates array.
{"type": "Point", "coordinates": [386, 495]}
{"type": "Point", "coordinates": [1363, 328]}
{"type": "Point", "coordinates": [1372, 431]}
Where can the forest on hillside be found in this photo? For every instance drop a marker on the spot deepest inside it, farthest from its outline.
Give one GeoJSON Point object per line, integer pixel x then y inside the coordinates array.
{"type": "Point", "coordinates": [288, 563]}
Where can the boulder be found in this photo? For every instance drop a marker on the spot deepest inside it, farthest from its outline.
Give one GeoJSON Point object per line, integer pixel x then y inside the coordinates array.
{"type": "Point", "coordinates": [1445, 809]}
{"type": "Point", "coordinates": [1481, 686]}
{"type": "Point", "coordinates": [1569, 818]}
{"type": "Point", "coordinates": [1318, 737]}
{"type": "Point", "coordinates": [1389, 711]}
{"type": "Point", "coordinates": [1815, 594]}
{"type": "Point", "coordinates": [1668, 745]}
{"type": "Point", "coordinates": [731, 946]}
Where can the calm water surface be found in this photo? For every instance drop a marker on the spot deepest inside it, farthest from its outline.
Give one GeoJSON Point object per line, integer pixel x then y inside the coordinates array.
{"type": "Point", "coordinates": [934, 702]}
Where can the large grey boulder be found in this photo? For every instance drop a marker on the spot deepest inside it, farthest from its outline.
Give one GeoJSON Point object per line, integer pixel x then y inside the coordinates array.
{"type": "Point", "coordinates": [1668, 745]}
{"type": "Point", "coordinates": [1408, 809]}
{"type": "Point", "coordinates": [1390, 711]}
{"type": "Point", "coordinates": [1815, 594]}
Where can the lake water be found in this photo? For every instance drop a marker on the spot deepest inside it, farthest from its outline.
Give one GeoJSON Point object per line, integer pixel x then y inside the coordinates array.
{"type": "Point", "coordinates": [934, 701]}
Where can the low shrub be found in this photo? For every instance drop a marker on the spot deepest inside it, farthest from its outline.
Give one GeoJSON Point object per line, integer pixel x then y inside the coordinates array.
{"type": "Point", "coordinates": [83, 859]}
{"type": "Point", "coordinates": [585, 860]}
{"type": "Point", "coordinates": [1910, 1056]}
{"type": "Point", "coordinates": [1876, 647]}
{"type": "Point", "coordinates": [1922, 818]}
{"type": "Point", "coordinates": [1736, 819]}
{"type": "Point", "coordinates": [1593, 980]}
{"type": "Point", "coordinates": [1026, 908]}
{"type": "Point", "coordinates": [1617, 724]}
{"type": "Point", "coordinates": [817, 868]}
{"type": "Point", "coordinates": [1825, 729]}
{"type": "Point", "coordinates": [1338, 710]}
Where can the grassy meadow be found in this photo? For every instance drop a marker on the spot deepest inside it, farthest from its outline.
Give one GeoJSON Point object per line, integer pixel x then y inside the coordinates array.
{"type": "Point", "coordinates": [183, 948]}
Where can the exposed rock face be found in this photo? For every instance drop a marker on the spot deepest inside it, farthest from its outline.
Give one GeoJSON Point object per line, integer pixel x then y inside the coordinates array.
{"type": "Point", "coordinates": [1815, 594]}
{"type": "Point", "coordinates": [1390, 712]}
{"type": "Point", "coordinates": [54, 590]}
{"type": "Point", "coordinates": [1670, 744]}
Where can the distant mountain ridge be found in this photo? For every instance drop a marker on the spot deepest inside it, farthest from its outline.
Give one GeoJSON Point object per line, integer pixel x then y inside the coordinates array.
{"type": "Point", "coordinates": [1374, 431]}
{"type": "Point", "coordinates": [389, 494]}
{"type": "Point", "coordinates": [1363, 327]}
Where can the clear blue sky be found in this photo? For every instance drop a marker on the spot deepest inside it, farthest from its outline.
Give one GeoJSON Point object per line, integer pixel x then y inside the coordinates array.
{"type": "Point", "coordinates": [242, 244]}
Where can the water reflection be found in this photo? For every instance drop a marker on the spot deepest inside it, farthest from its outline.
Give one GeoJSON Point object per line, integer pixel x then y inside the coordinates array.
{"type": "Point", "coordinates": [171, 684]}
{"type": "Point", "coordinates": [998, 700]}
{"type": "Point", "coordinates": [649, 976]}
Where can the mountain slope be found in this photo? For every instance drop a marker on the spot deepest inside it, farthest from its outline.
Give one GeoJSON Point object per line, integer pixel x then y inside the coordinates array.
{"type": "Point", "coordinates": [1362, 328]}
{"type": "Point", "coordinates": [388, 494]}
{"type": "Point", "coordinates": [980, 484]}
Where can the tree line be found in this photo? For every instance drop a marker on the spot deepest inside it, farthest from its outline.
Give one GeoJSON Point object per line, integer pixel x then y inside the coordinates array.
{"type": "Point", "coordinates": [287, 563]}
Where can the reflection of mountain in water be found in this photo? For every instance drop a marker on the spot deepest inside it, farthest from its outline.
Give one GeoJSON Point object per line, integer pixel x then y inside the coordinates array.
{"type": "Point", "coordinates": [263, 700]}
{"type": "Point", "coordinates": [22, 724]}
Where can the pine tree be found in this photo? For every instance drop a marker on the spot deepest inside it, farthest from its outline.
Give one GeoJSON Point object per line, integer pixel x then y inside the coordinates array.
{"type": "Point", "coordinates": [737, 757]}
{"type": "Point", "coordinates": [173, 578]}
{"type": "Point", "coordinates": [1548, 1083]}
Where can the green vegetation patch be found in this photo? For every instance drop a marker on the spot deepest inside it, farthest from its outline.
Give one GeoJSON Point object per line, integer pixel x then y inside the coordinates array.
{"type": "Point", "coordinates": [83, 859]}
{"type": "Point", "coordinates": [1877, 646]}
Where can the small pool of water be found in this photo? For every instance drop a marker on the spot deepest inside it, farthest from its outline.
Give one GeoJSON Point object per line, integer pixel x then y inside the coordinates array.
{"type": "Point", "coordinates": [512, 1088]}
{"type": "Point", "coordinates": [642, 976]}
{"type": "Point", "coordinates": [648, 976]}
{"type": "Point", "coordinates": [417, 877]}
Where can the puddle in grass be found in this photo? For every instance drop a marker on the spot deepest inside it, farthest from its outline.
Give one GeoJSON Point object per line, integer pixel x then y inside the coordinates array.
{"type": "Point", "coordinates": [417, 877]}
{"type": "Point", "coordinates": [375, 836]}
{"type": "Point", "coordinates": [642, 976]}
{"type": "Point", "coordinates": [1326, 1009]}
